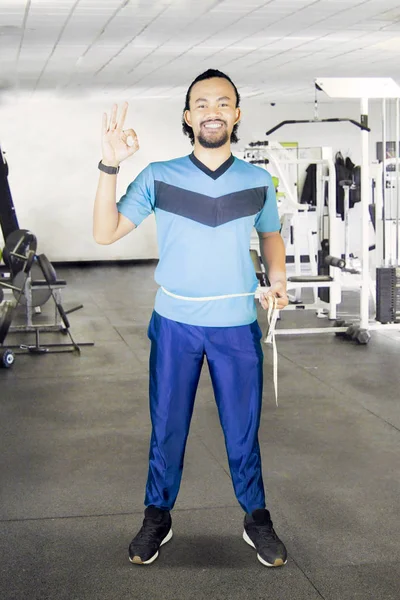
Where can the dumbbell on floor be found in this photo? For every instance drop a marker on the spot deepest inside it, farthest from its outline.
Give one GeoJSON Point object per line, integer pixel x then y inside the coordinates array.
{"type": "Point", "coordinates": [357, 334]}
{"type": "Point", "coordinates": [353, 332]}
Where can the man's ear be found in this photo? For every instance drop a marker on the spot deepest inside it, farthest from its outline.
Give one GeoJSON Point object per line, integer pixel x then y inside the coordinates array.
{"type": "Point", "coordinates": [187, 118]}
{"type": "Point", "coordinates": [238, 115]}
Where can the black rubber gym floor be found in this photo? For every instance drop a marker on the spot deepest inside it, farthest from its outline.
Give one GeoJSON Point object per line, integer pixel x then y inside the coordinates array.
{"type": "Point", "coordinates": [74, 447]}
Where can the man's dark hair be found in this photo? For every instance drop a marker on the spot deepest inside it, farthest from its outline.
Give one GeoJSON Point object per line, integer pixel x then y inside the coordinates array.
{"type": "Point", "coordinates": [209, 74]}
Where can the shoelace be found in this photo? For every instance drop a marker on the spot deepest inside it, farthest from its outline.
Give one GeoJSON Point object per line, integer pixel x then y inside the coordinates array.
{"type": "Point", "coordinates": [272, 316]}
{"type": "Point", "coordinates": [268, 534]}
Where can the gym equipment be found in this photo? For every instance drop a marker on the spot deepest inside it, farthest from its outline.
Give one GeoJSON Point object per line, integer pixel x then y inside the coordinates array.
{"type": "Point", "coordinates": [316, 120]}
{"type": "Point", "coordinates": [388, 294]}
{"type": "Point", "coordinates": [22, 255]}
{"type": "Point", "coordinates": [364, 89]}
{"type": "Point", "coordinates": [39, 295]}
{"type": "Point", "coordinates": [7, 358]}
{"type": "Point", "coordinates": [261, 276]}
{"type": "Point", "coordinates": [362, 125]}
{"type": "Point", "coordinates": [340, 263]}
{"type": "Point", "coordinates": [32, 279]}
{"type": "Point", "coordinates": [32, 293]}
{"type": "Point", "coordinates": [343, 325]}
{"type": "Point", "coordinates": [388, 274]}
{"type": "Point", "coordinates": [352, 332]}
{"type": "Point", "coordinates": [19, 251]}
{"type": "Point", "coordinates": [48, 273]}
{"type": "Point", "coordinates": [357, 334]}
{"type": "Point", "coordinates": [8, 218]}
{"type": "Point", "coordinates": [322, 279]}
{"type": "Point", "coordinates": [5, 320]}
{"type": "Point", "coordinates": [6, 355]}
{"type": "Point", "coordinates": [27, 282]}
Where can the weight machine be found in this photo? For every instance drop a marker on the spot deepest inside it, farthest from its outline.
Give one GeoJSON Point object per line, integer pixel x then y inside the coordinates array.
{"type": "Point", "coordinates": [31, 279]}
{"type": "Point", "coordinates": [387, 276]}
{"type": "Point", "coordinates": [325, 225]}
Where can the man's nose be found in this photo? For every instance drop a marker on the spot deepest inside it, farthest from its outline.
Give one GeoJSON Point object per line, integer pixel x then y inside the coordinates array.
{"type": "Point", "coordinates": [214, 113]}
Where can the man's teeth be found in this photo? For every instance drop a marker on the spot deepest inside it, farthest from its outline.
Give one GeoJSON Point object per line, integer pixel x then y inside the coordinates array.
{"type": "Point", "coordinates": [213, 125]}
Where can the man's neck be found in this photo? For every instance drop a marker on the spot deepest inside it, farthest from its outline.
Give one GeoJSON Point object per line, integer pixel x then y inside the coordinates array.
{"type": "Point", "coordinates": [213, 158]}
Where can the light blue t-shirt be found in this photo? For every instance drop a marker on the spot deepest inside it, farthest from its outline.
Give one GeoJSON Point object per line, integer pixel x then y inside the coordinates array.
{"type": "Point", "coordinates": [204, 223]}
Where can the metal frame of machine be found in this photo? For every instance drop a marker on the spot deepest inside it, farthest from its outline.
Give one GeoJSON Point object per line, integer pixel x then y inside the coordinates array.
{"type": "Point", "coordinates": [362, 89]}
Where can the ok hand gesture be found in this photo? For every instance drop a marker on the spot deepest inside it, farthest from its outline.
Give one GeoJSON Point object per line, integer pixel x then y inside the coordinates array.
{"type": "Point", "coordinates": [115, 139]}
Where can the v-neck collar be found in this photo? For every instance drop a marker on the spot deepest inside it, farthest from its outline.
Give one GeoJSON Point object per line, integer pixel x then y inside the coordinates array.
{"type": "Point", "coordinates": [213, 174]}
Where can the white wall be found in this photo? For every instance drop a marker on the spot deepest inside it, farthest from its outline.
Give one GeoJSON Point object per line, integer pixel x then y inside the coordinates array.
{"type": "Point", "coordinates": [53, 147]}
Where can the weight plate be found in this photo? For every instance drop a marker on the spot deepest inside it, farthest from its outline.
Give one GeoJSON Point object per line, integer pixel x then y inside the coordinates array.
{"type": "Point", "coordinates": [40, 295]}
{"type": "Point", "coordinates": [6, 311]}
{"type": "Point", "coordinates": [21, 241]}
{"type": "Point", "coordinates": [6, 258]}
{"type": "Point", "coordinates": [47, 268]}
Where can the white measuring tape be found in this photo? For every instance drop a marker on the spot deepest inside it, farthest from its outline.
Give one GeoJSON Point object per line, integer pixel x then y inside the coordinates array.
{"type": "Point", "coordinates": [206, 298]}
{"type": "Point", "coordinates": [272, 317]}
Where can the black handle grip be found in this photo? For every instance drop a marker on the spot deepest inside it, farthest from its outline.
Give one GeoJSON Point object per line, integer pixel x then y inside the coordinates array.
{"type": "Point", "coordinates": [333, 261]}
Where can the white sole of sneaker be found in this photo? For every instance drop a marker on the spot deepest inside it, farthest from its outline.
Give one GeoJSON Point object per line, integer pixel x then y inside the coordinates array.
{"type": "Point", "coordinates": [136, 560]}
{"type": "Point", "coordinates": [278, 563]}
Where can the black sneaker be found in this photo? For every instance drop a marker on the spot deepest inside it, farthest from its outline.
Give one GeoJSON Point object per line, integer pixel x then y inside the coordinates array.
{"type": "Point", "coordinates": [155, 532]}
{"type": "Point", "coordinates": [259, 533]}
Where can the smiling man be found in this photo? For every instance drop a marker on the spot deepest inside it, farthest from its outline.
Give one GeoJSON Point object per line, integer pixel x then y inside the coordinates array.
{"type": "Point", "coordinates": [206, 205]}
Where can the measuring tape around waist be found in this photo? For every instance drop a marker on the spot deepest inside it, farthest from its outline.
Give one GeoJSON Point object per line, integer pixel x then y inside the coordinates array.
{"type": "Point", "coordinates": [272, 316]}
{"type": "Point", "coordinates": [206, 298]}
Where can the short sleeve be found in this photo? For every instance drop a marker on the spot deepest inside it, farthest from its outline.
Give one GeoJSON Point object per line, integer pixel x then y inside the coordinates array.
{"type": "Point", "coordinates": [137, 202]}
{"type": "Point", "coordinates": [267, 220]}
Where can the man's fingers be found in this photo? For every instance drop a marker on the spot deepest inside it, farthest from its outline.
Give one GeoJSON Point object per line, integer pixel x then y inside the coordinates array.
{"type": "Point", "coordinates": [282, 302]}
{"type": "Point", "coordinates": [279, 298]}
{"type": "Point", "coordinates": [132, 149]}
{"type": "Point", "coordinates": [104, 124]}
{"type": "Point", "coordinates": [130, 133]}
{"type": "Point", "coordinates": [122, 116]}
{"type": "Point", "coordinates": [264, 301]}
{"type": "Point", "coordinates": [113, 119]}
{"type": "Point", "coordinates": [130, 138]}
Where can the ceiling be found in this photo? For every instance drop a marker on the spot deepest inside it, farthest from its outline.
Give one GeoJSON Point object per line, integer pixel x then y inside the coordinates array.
{"type": "Point", "coordinates": [154, 48]}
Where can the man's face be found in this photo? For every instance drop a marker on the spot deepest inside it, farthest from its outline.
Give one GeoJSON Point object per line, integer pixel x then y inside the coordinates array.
{"type": "Point", "coordinates": [213, 112]}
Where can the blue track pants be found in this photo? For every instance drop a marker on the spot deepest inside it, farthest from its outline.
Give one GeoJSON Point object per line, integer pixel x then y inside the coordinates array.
{"type": "Point", "coordinates": [235, 357]}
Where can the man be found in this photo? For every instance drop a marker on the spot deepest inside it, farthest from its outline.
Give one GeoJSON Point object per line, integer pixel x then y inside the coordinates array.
{"type": "Point", "coordinates": [205, 205]}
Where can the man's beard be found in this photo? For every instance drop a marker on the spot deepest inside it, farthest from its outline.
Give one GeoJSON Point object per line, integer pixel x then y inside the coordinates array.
{"type": "Point", "coordinates": [213, 143]}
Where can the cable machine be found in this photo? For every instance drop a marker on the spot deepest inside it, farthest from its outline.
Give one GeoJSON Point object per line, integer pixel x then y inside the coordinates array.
{"type": "Point", "coordinates": [387, 275]}
{"type": "Point", "coordinates": [363, 125]}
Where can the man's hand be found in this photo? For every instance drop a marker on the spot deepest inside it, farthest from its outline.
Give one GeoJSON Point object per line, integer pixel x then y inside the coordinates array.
{"type": "Point", "coordinates": [115, 147]}
{"type": "Point", "coordinates": [278, 291]}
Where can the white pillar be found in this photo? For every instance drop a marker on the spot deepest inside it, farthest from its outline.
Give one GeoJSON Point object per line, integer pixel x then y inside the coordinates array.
{"type": "Point", "coordinates": [397, 179]}
{"type": "Point", "coordinates": [365, 200]}
{"type": "Point", "coordinates": [384, 190]}
{"type": "Point", "coordinates": [334, 244]}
